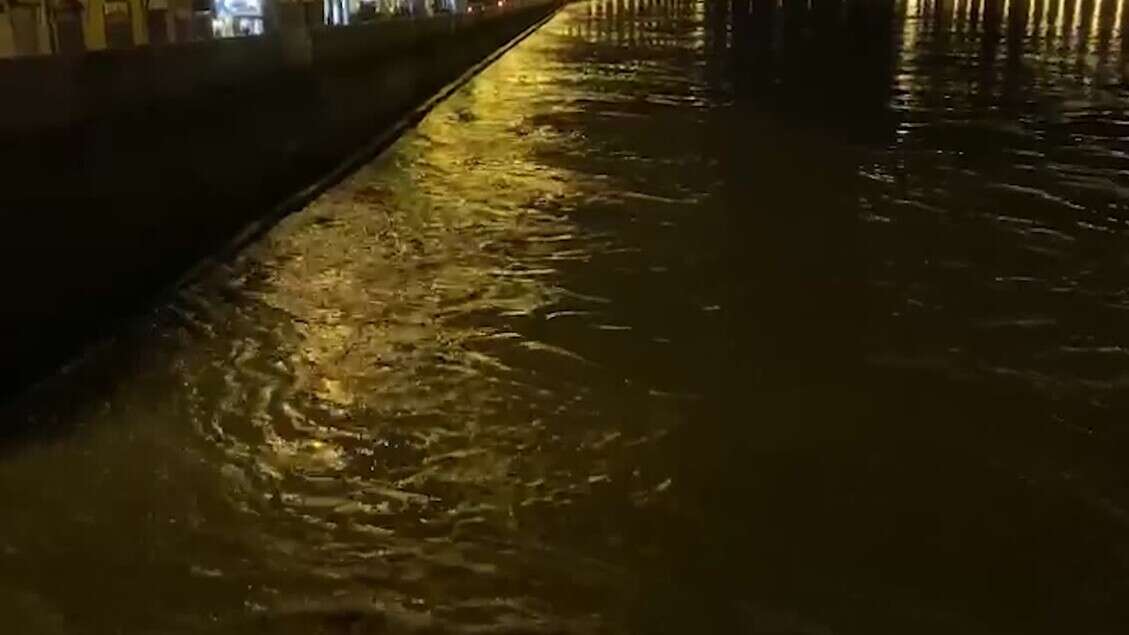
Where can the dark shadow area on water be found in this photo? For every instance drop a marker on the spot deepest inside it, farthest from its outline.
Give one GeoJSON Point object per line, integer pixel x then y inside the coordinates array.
{"type": "Point", "coordinates": [818, 487]}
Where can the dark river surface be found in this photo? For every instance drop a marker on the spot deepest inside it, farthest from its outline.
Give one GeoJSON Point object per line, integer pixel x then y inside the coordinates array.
{"type": "Point", "coordinates": [799, 320]}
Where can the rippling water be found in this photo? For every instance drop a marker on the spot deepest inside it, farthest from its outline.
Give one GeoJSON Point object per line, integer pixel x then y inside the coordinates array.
{"type": "Point", "coordinates": [678, 318]}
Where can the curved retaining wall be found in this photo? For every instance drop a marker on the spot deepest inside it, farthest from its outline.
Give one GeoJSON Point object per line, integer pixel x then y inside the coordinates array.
{"type": "Point", "coordinates": [121, 169]}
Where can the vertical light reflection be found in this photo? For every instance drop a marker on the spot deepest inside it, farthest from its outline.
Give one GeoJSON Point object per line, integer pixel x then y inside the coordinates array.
{"type": "Point", "coordinates": [698, 11]}
{"type": "Point", "coordinates": [911, 26]}
{"type": "Point", "coordinates": [1123, 33]}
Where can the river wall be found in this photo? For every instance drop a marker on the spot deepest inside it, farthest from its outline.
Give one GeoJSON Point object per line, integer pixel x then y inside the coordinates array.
{"type": "Point", "coordinates": [123, 168]}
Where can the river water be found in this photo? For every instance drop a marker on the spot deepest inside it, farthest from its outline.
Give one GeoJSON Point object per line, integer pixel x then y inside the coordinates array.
{"type": "Point", "coordinates": [808, 319]}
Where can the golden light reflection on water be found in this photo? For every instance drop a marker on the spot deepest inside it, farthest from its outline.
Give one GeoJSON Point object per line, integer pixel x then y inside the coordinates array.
{"type": "Point", "coordinates": [1005, 38]}
{"type": "Point", "coordinates": [440, 245]}
{"type": "Point", "coordinates": [390, 396]}
{"type": "Point", "coordinates": [1074, 23]}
